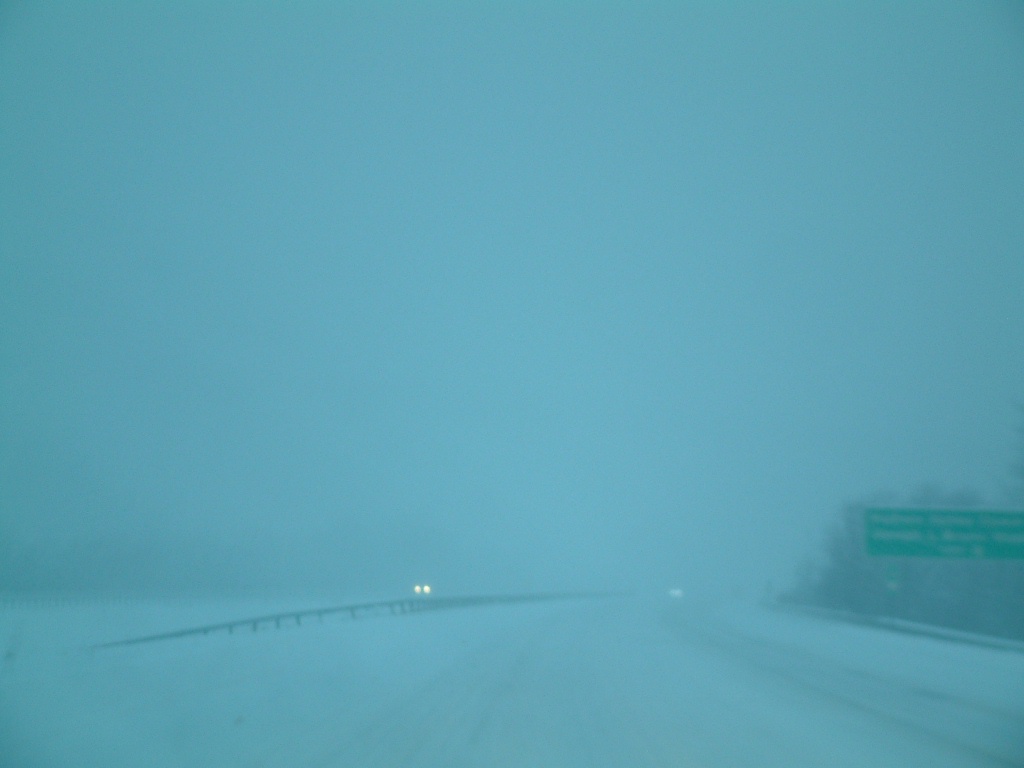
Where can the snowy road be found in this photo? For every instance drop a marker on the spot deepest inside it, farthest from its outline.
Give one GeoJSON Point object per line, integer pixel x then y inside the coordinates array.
{"type": "Point", "coordinates": [612, 683]}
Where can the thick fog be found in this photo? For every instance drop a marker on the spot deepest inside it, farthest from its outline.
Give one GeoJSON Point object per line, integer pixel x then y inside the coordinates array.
{"type": "Point", "coordinates": [335, 298]}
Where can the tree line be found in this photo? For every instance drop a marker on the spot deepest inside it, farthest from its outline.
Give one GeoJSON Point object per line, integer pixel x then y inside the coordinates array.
{"type": "Point", "coordinates": [973, 595]}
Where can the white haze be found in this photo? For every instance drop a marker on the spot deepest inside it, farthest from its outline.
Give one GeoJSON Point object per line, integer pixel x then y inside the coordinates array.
{"type": "Point", "coordinates": [338, 297]}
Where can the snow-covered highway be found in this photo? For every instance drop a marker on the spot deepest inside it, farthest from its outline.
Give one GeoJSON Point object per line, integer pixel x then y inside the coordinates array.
{"type": "Point", "coordinates": [622, 682]}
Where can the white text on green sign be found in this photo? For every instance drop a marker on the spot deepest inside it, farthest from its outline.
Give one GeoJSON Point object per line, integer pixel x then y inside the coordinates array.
{"type": "Point", "coordinates": [973, 533]}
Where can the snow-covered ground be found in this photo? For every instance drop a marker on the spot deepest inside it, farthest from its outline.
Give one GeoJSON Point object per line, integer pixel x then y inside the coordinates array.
{"type": "Point", "coordinates": [622, 682]}
{"type": "Point", "coordinates": [968, 696]}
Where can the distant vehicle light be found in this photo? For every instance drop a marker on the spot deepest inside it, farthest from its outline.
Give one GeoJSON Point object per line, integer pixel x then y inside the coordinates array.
{"type": "Point", "coordinates": [421, 589]}
{"type": "Point", "coordinates": [426, 589]}
{"type": "Point", "coordinates": [417, 589]}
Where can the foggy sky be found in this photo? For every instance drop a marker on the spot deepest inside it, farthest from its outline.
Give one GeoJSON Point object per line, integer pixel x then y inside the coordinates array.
{"type": "Point", "coordinates": [499, 296]}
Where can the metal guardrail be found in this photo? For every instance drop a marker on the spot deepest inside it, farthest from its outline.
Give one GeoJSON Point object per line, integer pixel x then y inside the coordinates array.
{"type": "Point", "coordinates": [353, 611]}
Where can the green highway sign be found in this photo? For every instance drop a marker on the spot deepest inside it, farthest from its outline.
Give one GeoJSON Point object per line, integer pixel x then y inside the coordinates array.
{"type": "Point", "coordinates": [970, 533]}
